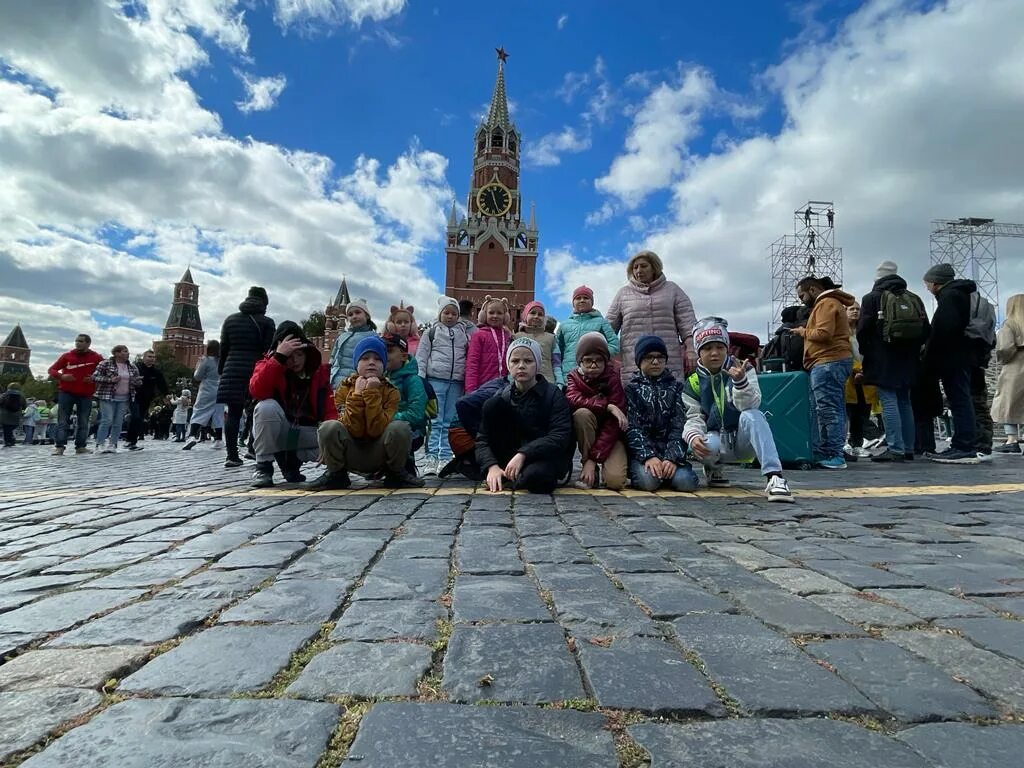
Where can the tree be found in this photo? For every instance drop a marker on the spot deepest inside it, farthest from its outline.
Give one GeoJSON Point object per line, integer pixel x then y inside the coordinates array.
{"type": "Point", "coordinates": [315, 324]}
{"type": "Point", "coordinates": [176, 374]}
{"type": "Point", "coordinates": [43, 388]}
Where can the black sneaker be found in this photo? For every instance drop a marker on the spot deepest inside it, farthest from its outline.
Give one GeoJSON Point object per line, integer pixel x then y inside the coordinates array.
{"type": "Point", "coordinates": [1008, 448]}
{"type": "Point", "coordinates": [330, 481]}
{"type": "Point", "coordinates": [294, 477]}
{"type": "Point", "coordinates": [232, 461]}
{"type": "Point", "coordinates": [908, 456]}
{"type": "Point", "coordinates": [850, 457]}
{"type": "Point", "coordinates": [951, 456]}
{"type": "Point", "coordinates": [134, 447]}
{"type": "Point", "coordinates": [890, 455]}
{"type": "Point", "coordinates": [263, 476]}
{"type": "Point", "coordinates": [402, 479]}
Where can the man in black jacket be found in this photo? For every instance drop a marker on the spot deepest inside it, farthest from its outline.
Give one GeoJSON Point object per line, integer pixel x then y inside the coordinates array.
{"type": "Point", "coordinates": [244, 338]}
{"type": "Point", "coordinates": [153, 381]}
{"type": "Point", "coordinates": [948, 355]}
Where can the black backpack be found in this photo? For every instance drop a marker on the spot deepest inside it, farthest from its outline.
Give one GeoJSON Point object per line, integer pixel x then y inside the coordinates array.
{"type": "Point", "coordinates": [11, 401]}
{"type": "Point", "coordinates": [785, 352]}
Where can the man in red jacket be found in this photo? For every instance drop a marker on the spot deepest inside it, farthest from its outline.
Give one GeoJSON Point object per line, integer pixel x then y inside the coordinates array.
{"type": "Point", "coordinates": [73, 372]}
{"type": "Point", "coordinates": [292, 390]}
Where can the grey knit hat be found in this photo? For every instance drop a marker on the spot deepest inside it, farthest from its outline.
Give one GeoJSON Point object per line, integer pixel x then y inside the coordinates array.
{"type": "Point", "coordinates": [524, 341]}
{"type": "Point", "coordinates": [940, 274]}
{"type": "Point", "coordinates": [885, 269]}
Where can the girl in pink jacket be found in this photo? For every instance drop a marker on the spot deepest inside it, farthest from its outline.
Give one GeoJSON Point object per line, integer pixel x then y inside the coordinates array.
{"type": "Point", "coordinates": [485, 359]}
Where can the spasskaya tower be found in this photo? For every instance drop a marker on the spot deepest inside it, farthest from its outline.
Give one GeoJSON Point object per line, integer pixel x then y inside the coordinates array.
{"type": "Point", "coordinates": [493, 250]}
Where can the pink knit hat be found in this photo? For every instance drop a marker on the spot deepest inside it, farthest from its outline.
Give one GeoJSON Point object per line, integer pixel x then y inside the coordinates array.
{"type": "Point", "coordinates": [532, 305]}
{"type": "Point", "coordinates": [583, 290]}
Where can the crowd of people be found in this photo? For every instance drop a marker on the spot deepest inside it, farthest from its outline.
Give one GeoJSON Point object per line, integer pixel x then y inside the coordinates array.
{"type": "Point", "coordinates": [645, 393]}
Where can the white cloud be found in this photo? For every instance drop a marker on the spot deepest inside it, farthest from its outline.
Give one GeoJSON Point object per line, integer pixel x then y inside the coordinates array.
{"type": "Point", "coordinates": [115, 178]}
{"type": "Point", "coordinates": [261, 93]}
{"type": "Point", "coordinates": [292, 12]}
{"type": "Point", "coordinates": [547, 149]}
{"type": "Point", "coordinates": [605, 213]}
{"type": "Point", "coordinates": [562, 21]}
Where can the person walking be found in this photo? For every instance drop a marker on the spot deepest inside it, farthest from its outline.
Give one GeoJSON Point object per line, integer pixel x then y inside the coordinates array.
{"type": "Point", "coordinates": [245, 337]}
{"type": "Point", "coordinates": [29, 419]}
{"type": "Point", "coordinates": [207, 411]}
{"type": "Point", "coordinates": [116, 379]}
{"type": "Point", "coordinates": [12, 403]}
{"type": "Point", "coordinates": [73, 371]}
{"type": "Point", "coordinates": [153, 382]}
{"type": "Point", "coordinates": [828, 356]}
{"type": "Point", "coordinates": [1008, 404]}
{"type": "Point", "coordinates": [948, 356]}
{"type": "Point", "coordinates": [179, 419]}
{"type": "Point", "coordinates": [892, 327]}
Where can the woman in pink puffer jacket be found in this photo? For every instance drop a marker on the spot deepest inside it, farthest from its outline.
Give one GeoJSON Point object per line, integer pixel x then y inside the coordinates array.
{"type": "Point", "coordinates": [650, 304]}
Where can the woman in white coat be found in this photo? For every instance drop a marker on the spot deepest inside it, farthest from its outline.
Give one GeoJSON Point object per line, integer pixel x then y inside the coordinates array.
{"type": "Point", "coordinates": [1008, 403]}
{"type": "Point", "coordinates": [207, 412]}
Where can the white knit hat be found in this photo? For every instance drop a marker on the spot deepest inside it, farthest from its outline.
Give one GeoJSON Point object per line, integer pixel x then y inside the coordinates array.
{"type": "Point", "coordinates": [445, 302]}
{"type": "Point", "coordinates": [885, 269]}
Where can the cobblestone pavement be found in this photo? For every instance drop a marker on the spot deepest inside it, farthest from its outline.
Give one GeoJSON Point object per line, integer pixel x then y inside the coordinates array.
{"type": "Point", "coordinates": [155, 611]}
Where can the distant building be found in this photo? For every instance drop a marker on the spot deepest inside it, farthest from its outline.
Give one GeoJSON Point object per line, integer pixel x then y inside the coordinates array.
{"type": "Point", "coordinates": [183, 331]}
{"type": "Point", "coordinates": [334, 315]}
{"type": "Point", "coordinates": [14, 354]}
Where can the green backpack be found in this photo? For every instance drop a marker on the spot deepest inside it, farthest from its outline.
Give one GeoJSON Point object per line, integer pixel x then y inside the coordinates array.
{"type": "Point", "coordinates": [903, 317]}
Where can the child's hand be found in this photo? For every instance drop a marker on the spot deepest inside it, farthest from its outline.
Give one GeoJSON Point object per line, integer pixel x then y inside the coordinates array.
{"type": "Point", "coordinates": [372, 382]}
{"type": "Point", "coordinates": [700, 448]}
{"type": "Point", "coordinates": [738, 370]}
{"type": "Point", "coordinates": [515, 466]}
{"type": "Point", "coordinates": [653, 467]}
{"type": "Point", "coordinates": [494, 478]}
{"type": "Point", "coordinates": [668, 469]}
{"type": "Point", "coordinates": [620, 417]}
{"type": "Point", "coordinates": [360, 384]}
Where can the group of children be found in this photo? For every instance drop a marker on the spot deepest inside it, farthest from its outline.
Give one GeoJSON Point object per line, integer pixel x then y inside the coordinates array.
{"type": "Point", "coordinates": [534, 397]}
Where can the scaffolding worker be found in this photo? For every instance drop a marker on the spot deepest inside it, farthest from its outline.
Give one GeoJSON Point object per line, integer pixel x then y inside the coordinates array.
{"type": "Point", "coordinates": [807, 217]}
{"type": "Point", "coordinates": [810, 240]}
{"type": "Point", "coordinates": [810, 264]}
{"type": "Point", "coordinates": [830, 215]}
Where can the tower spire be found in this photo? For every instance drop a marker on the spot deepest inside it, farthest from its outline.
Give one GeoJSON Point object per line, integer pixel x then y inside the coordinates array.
{"type": "Point", "coordinates": [497, 116]}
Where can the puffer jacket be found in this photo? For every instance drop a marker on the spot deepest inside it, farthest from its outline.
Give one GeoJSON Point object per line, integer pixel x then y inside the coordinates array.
{"type": "Point", "coordinates": [412, 407]}
{"type": "Point", "coordinates": [442, 352]}
{"type": "Point", "coordinates": [1008, 404]}
{"type": "Point", "coordinates": [342, 350]}
{"type": "Point", "coordinates": [595, 395]}
{"type": "Point", "coordinates": [245, 337]}
{"type": "Point", "coordinates": [11, 417]}
{"type": "Point", "coordinates": [542, 428]}
{"type": "Point", "coordinates": [308, 402]}
{"type": "Point", "coordinates": [569, 331]}
{"type": "Point", "coordinates": [703, 414]}
{"type": "Point", "coordinates": [657, 416]}
{"type": "Point", "coordinates": [891, 365]}
{"type": "Point", "coordinates": [485, 359]}
{"type": "Point", "coordinates": [827, 333]}
{"type": "Point", "coordinates": [660, 308]}
{"type": "Point", "coordinates": [366, 414]}
{"type": "Point", "coordinates": [551, 356]}
{"type": "Point", "coordinates": [948, 347]}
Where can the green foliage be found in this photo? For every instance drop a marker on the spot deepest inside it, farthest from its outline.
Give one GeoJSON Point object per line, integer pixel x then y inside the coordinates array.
{"type": "Point", "coordinates": [32, 389]}
{"type": "Point", "coordinates": [315, 324]}
{"type": "Point", "coordinates": [176, 374]}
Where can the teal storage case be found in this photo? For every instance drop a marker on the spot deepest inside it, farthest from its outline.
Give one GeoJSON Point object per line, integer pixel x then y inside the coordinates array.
{"type": "Point", "coordinates": [786, 403]}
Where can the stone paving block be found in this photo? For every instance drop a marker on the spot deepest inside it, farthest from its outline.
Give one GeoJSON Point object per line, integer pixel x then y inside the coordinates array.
{"type": "Point", "coordinates": [261, 555]}
{"type": "Point", "coordinates": [292, 600]}
{"type": "Point", "coordinates": [52, 614]}
{"type": "Point", "coordinates": [227, 585]}
{"type": "Point", "coordinates": [31, 715]}
{"type": "Point", "coordinates": [601, 536]}
{"type": "Point", "coordinates": [487, 551]}
{"type": "Point", "coordinates": [15, 592]}
{"type": "Point", "coordinates": [175, 533]}
{"type": "Point", "coordinates": [898, 682]}
{"type": "Point", "coordinates": [150, 621]}
{"type": "Point", "coordinates": [81, 545]}
{"type": "Point", "coordinates": [11, 642]}
{"type": "Point", "coordinates": [364, 669]}
{"type": "Point", "coordinates": [862, 576]}
{"type": "Point", "coordinates": [930, 604]}
{"type": "Point", "coordinates": [486, 517]}
{"type": "Point", "coordinates": [412, 579]}
{"type": "Point", "coordinates": [995, 676]}
{"type": "Point", "coordinates": [210, 545]}
{"type": "Point", "coordinates": [1001, 636]}
{"type": "Point", "coordinates": [860, 610]}
{"type": "Point", "coordinates": [771, 743]}
{"type": "Point", "coordinates": [498, 598]}
{"type": "Point", "coordinates": [763, 671]}
{"type": "Point", "coordinates": [148, 573]}
{"type": "Point", "coordinates": [648, 675]}
{"type": "Point", "coordinates": [305, 531]}
{"type": "Point", "coordinates": [792, 614]}
{"type": "Point", "coordinates": [222, 660]}
{"type": "Point", "coordinates": [956, 745]}
{"type": "Point", "coordinates": [672, 545]}
{"type": "Point", "coordinates": [668, 595]}
{"type": "Point", "coordinates": [966, 578]}
{"type": "Point", "coordinates": [722, 576]}
{"type": "Point", "coordinates": [407, 735]}
{"type": "Point", "coordinates": [1011, 605]}
{"type": "Point", "coordinates": [110, 558]}
{"type": "Point", "coordinates": [496, 653]}
{"type": "Point", "coordinates": [553, 549]}
{"type": "Point", "coordinates": [365, 522]}
{"type": "Point", "coordinates": [749, 556]}
{"type": "Point", "coordinates": [427, 526]}
{"type": "Point", "coordinates": [389, 620]}
{"type": "Point", "coordinates": [415, 547]}
{"type": "Point", "coordinates": [632, 559]}
{"type": "Point", "coordinates": [528, 526]}
{"type": "Point", "coordinates": [193, 733]}
{"type": "Point", "coordinates": [803, 582]}
{"type": "Point", "coordinates": [69, 668]}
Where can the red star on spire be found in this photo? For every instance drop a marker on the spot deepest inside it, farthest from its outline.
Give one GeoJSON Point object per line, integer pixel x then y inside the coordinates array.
{"type": "Point", "coordinates": [502, 55]}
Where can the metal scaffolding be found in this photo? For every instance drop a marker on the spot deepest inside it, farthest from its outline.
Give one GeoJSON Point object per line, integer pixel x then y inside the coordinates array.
{"type": "Point", "coordinates": [969, 244]}
{"type": "Point", "coordinates": [810, 250]}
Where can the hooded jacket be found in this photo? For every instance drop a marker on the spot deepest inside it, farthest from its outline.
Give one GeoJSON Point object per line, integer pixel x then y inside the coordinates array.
{"type": "Point", "coordinates": [306, 400]}
{"type": "Point", "coordinates": [485, 359]}
{"type": "Point", "coordinates": [890, 365]}
{"type": "Point", "coordinates": [81, 366]}
{"type": "Point", "coordinates": [705, 413]}
{"type": "Point", "coordinates": [570, 330]}
{"type": "Point", "coordinates": [595, 395]}
{"type": "Point", "coordinates": [341, 352]}
{"type": "Point", "coordinates": [827, 333]}
{"type": "Point", "coordinates": [948, 347]}
{"type": "Point", "coordinates": [412, 405]}
{"type": "Point", "coordinates": [542, 428]}
{"type": "Point", "coordinates": [657, 416]}
{"type": "Point", "coordinates": [245, 337]}
{"type": "Point", "coordinates": [442, 352]}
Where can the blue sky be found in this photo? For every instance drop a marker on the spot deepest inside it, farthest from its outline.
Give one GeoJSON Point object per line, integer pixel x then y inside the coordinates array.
{"type": "Point", "coordinates": [288, 142]}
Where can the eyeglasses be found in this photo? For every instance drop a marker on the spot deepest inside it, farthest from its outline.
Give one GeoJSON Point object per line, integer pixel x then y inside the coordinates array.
{"type": "Point", "coordinates": [591, 362]}
{"type": "Point", "coordinates": [654, 358]}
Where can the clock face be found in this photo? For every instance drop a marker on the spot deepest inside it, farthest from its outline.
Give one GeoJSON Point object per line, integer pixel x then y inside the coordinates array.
{"type": "Point", "coordinates": [494, 199]}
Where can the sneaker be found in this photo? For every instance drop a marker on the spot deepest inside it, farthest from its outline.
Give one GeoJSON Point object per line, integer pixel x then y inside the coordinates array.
{"type": "Point", "coordinates": [1013, 447]}
{"type": "Point", "coordinates": [777, 489]}
{"type": "Point", "coordinates": [103, 448]}
{"type": "Point", "coordinates": [890, 455]}
{"type": "Point", "coordinates": [218, 444]}
{"type": "Point", "coordinates": [862, 453]}
{"type": "Point", "coordinates": [430, 465]}
{"type": "Point", "coordinates": [984, 457]}
{"type": "Point", "coordinates": [80, 451]}
{"type": "Point", "coordinates": [113, 448]}
{"type": "Point", "coordinates": [330, 481]}
{"type": "Point", "coordinates": [232, 461]}
{"type": "Point", "coordinates": [189, 444]}
{"type": "Point", "coordinates": [262, 477]}
{"type": "Point", "coordinates": [402, 479]}
{"type": "Point", "coordinates": [134, 447]}
{"type": "Point", "coordinates": [836, 462]}
{"type": "Point", "coordinates": [58, 451]}
{"type": "Point", "coordinates": [715, 477]}
{"type": "Point", "coordinates": [951, 456]}
{"type": "Point", "coordinates": [850, 456]}
{"type": "Point", "coordinates": [294, 477]}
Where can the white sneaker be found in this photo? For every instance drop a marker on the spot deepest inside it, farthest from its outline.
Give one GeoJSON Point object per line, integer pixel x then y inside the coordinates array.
{"type": "Point", "coordinates": [862, 453]}
{"type": "Point", "coordinates": [218, 445]}
{"type": "Point", "coordinates": [189, 444]}
{"type": "Point", "coordinates": [430, 466]}
{"type": "Point", "coordinates": [984, 457]}
{"type": "Point", "coordinates": [112, 448]}
{"type": "Point", "coordinates": [103, 448]}
{"type": "Point", "coordinates": [715, 477]}
{"type": "Point", "coordinates": [777, 489]}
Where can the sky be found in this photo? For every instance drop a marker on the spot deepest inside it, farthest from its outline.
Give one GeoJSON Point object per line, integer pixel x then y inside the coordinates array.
{"type": "Point", "coordinates": [287, 143]}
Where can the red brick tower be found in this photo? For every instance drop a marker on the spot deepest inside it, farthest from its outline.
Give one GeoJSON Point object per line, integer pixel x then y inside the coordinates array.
{"type": "Point", "coordinates": [15, 353]}
{"type": "Point", "coordinates": [184, 329]}
{"type": "Point", "coordinates": [492, 250]}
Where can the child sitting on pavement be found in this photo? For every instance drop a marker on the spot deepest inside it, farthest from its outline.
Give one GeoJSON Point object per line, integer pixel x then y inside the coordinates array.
{"type": "Point", "coordinates": [723, 422]}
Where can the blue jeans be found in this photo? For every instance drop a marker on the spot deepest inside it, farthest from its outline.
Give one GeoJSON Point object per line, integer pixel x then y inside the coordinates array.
{"type": "Point", "coordinates": [898, 417]}
{"type": "Point", "coordinates": [30, 432]}
{"type": "Point", "coordinates": [448, 393]}
{"type": "Point", "coordinates": [753, 440]}
{"type": "Point", "coordinates": [112, 414]}
{"type": "Point", "coordinates": [685, 479]}
{"type": "Point", "coordinates": [828, 383]}
{"type": "Point", "coordinates": [83, 405]}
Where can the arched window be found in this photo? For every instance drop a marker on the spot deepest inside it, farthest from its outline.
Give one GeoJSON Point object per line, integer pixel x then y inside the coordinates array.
{"type": "Point", "coordinates": [497, 139]}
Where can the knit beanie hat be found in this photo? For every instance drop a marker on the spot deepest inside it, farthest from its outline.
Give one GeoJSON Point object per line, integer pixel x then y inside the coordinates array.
{"type": "Point", "coordinates": [527, 342]}
{"type": "Point", "coordinates": [532, 305]}
{"type": "Point", "coordinates": [373, 344]}
{"type": "Point", "coordinates": [447, 301]}
{"type": "Point", "coordinates": [710, 330]}
{"type": "Point", "coordinates": [359, 304]}
{"type": "Point", "coordinates": [583, 290]}
{"type": "Point", "coordinates": [649, 256]}
{"type": "Point", "coordinates": [257, 292]}
{"type": "Point", "coordinates": [885, 269]}
{"type": "Point", "coordinates": [940, 274]}
{"type": "Point", "coordinates": [647, 344]}
{"type": "Point", "coordinates": [592, 343]}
